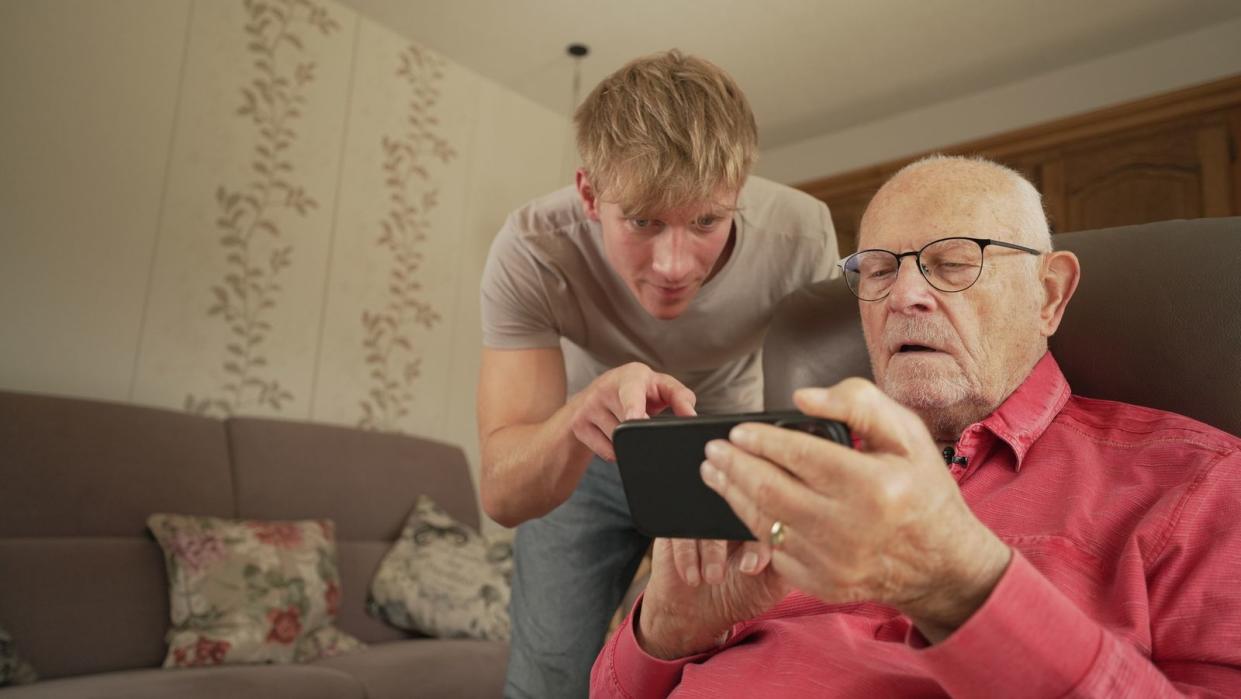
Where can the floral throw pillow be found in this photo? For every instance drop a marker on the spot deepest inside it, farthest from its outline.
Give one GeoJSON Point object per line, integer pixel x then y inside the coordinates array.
{"type": "Point", "coordinates": [444, 579]}
{"type": "Point", "coordinates": [13, 670]}
{"type": "Point", "coordinates": [250, 591]}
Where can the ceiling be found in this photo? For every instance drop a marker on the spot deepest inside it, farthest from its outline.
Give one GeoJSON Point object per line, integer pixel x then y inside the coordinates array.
{"type": "Point", "coordinates": [809, 67]}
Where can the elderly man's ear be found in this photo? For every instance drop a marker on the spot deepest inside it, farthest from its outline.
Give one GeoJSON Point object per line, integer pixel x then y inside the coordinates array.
{"type": "Point", "coordinates": [1061, 272]}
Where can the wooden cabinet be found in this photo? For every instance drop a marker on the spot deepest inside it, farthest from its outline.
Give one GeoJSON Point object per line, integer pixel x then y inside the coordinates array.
{"type": "Point", "coordinates": [1165, 157]}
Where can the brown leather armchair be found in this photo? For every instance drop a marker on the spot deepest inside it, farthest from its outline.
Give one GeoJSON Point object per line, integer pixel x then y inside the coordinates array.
{"type": "Point", "coordinates": [1156, 321]}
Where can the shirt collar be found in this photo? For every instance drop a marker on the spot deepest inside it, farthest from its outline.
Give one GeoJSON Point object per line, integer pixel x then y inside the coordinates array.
{"type": "Point", "coordinates": [1023, 417]}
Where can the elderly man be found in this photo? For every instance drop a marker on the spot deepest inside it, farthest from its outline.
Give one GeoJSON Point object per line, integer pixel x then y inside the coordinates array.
{"type": "Point", "coordinates": [1071, 547]}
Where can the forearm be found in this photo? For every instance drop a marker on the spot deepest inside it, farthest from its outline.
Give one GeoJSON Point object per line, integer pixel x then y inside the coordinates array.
{"type": "Point", "coordinates": [959, 595]}
{"type": "Point", "coordinates": [530, 469]}
{"type": "Point", "coordinates": [1030, 640]}
{"type": "Point", "coordinates": [668, 637]}
{"type": "Point", "coordinates": [624, 669]}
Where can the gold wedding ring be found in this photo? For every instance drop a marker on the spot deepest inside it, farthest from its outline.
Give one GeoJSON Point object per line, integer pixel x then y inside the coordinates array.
{"type": "Point", "coordinates": [777, 534]}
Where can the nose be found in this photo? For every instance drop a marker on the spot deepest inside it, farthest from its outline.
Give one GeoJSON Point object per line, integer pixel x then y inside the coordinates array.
{"type": "Point", "coordinates": [910, 291]}
{"type": "Point", "coordinates": [672, 259]}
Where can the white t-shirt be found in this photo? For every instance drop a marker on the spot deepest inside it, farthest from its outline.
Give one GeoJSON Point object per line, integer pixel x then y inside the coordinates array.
{"type": "Point", "coordinates": [547, 283]}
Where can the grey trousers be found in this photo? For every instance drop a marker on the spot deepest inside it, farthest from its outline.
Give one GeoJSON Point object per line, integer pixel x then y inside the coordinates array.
{"type": "Point", "coordinates": [571, 568]}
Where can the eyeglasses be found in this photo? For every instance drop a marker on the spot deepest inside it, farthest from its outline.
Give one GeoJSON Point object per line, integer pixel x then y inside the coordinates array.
{"type": "Point", "coordinates": [947, 264]}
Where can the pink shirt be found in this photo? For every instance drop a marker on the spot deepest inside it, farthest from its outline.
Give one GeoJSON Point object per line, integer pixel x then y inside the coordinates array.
{"type": "Point", "coordinates": [1125, 579]}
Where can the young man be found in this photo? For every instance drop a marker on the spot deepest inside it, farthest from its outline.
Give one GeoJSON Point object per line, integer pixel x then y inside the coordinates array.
{"type": "Point", "coordinates": [646, 287]}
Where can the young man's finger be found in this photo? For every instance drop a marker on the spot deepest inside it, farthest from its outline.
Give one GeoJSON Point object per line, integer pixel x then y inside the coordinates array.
{"type": "Point", "coordinates": [606, 422]}
{"type": "Point", "coordinates": [631, 395]}
{"type": "Point", "coordinates": [671, 392]}
{"type": "Point", "coordinates": [597, 442]}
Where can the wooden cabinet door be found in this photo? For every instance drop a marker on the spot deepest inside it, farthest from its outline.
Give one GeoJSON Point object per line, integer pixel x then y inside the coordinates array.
{"type": "Point", "coordinates": [1168, 156]}
{"type": "Point", "coordinates": [1178, 170]}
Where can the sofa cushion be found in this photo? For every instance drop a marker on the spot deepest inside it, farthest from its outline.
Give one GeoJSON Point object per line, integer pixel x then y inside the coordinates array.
{"type": "Point", "coordinates": [250, 591]}
{"type": "Point", "coordinates": [1187, 338]}
{"type": "Point", "coordinates": [269, 682]}
{"type": "Point", "coordinates": [362, 481]}
{"type": "Point", "coordinates": [88, 604]}
{"type": "Point", "coordinates": [359, 560]}
{"type": "Point", "coordinates": [427, 668]}
{"type": "Point", "coordinates": [443, 579]}
{"type": "Point", "coordinates": [82, 588]}
{"type": "Point", "coordinates": [88, 468]}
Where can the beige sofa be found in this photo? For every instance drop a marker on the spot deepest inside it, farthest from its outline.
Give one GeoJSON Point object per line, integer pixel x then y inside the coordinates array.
{"type": "Point", "coordinates": [82, 584]}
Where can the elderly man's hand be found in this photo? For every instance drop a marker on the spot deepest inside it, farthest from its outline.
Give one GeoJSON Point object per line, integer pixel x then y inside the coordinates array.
{"type": "Point", "coordinates": [678, 619]}
{"type": "Point", "coordinates": [886, 523]}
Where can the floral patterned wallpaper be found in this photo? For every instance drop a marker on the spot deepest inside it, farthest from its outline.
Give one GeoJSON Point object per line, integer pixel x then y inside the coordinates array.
{"type": "Point", "coordinates": [391, 355]}
{"type": "Point", "coordinates": [254, 236]}
{"type": "Point", "coordinates": [280, 208]}
{"type": "Point", "coordinates": [261, 233]}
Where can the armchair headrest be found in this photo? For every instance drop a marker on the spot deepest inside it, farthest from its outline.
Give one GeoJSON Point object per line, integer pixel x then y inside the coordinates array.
{"type": "Point", "coordinates": [1156, 321]}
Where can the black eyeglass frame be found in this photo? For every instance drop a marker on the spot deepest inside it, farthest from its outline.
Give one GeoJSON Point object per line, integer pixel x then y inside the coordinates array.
{"type": "Point", "coordinates": [917, 255]}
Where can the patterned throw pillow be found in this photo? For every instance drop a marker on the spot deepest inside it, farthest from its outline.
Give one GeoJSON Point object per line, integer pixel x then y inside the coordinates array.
{"type": "Point", "coordinates": [13, 670]}
{"type": "Point", "coordinates": [443, 579]}
{"type": "Point", "coordinates": [249, 591]}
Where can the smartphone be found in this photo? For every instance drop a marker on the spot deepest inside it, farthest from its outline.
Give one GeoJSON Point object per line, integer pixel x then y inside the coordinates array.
{"type": "Point", "coordinates": [659, 463]}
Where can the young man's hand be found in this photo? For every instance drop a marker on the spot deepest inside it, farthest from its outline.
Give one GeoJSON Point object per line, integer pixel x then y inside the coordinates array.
{"type": "Point", "coordinates": [630, 392]}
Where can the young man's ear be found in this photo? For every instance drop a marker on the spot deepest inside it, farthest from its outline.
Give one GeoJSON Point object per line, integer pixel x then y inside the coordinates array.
{"type": "Point", "coordinates": [590, 202]}
{"type": "Point", "coordinates": [1061, 272]}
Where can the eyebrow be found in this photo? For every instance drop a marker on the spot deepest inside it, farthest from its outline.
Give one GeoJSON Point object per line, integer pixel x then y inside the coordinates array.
{"type": "Point", "coordinates": [718, 211]}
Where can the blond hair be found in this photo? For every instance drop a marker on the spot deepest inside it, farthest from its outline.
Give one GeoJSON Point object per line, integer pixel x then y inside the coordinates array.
{"type": "Point", "coordinates": [664, 131]}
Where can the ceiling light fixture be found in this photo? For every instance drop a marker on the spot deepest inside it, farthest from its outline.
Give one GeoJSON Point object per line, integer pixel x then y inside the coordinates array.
{"type": "Point", "coordinates": [577, 52]}
{"type": "Point", "coordinates": [569, 162]}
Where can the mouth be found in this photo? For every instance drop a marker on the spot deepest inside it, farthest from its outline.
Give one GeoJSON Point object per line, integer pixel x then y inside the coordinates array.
{"type": "Point", "coordinates": [672, 290]}
{"type": "Point", "coordinates": [917, 349]}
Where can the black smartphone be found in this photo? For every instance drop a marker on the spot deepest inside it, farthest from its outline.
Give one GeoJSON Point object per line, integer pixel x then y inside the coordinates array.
{"type": "Point", "coordinates": [659, 460]}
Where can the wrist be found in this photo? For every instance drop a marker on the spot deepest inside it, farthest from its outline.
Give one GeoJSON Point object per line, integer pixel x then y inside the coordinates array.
{"type": "Point", "coordinates": [962, 592]}
{"type": "Point", "coordinates": [665, 639]}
